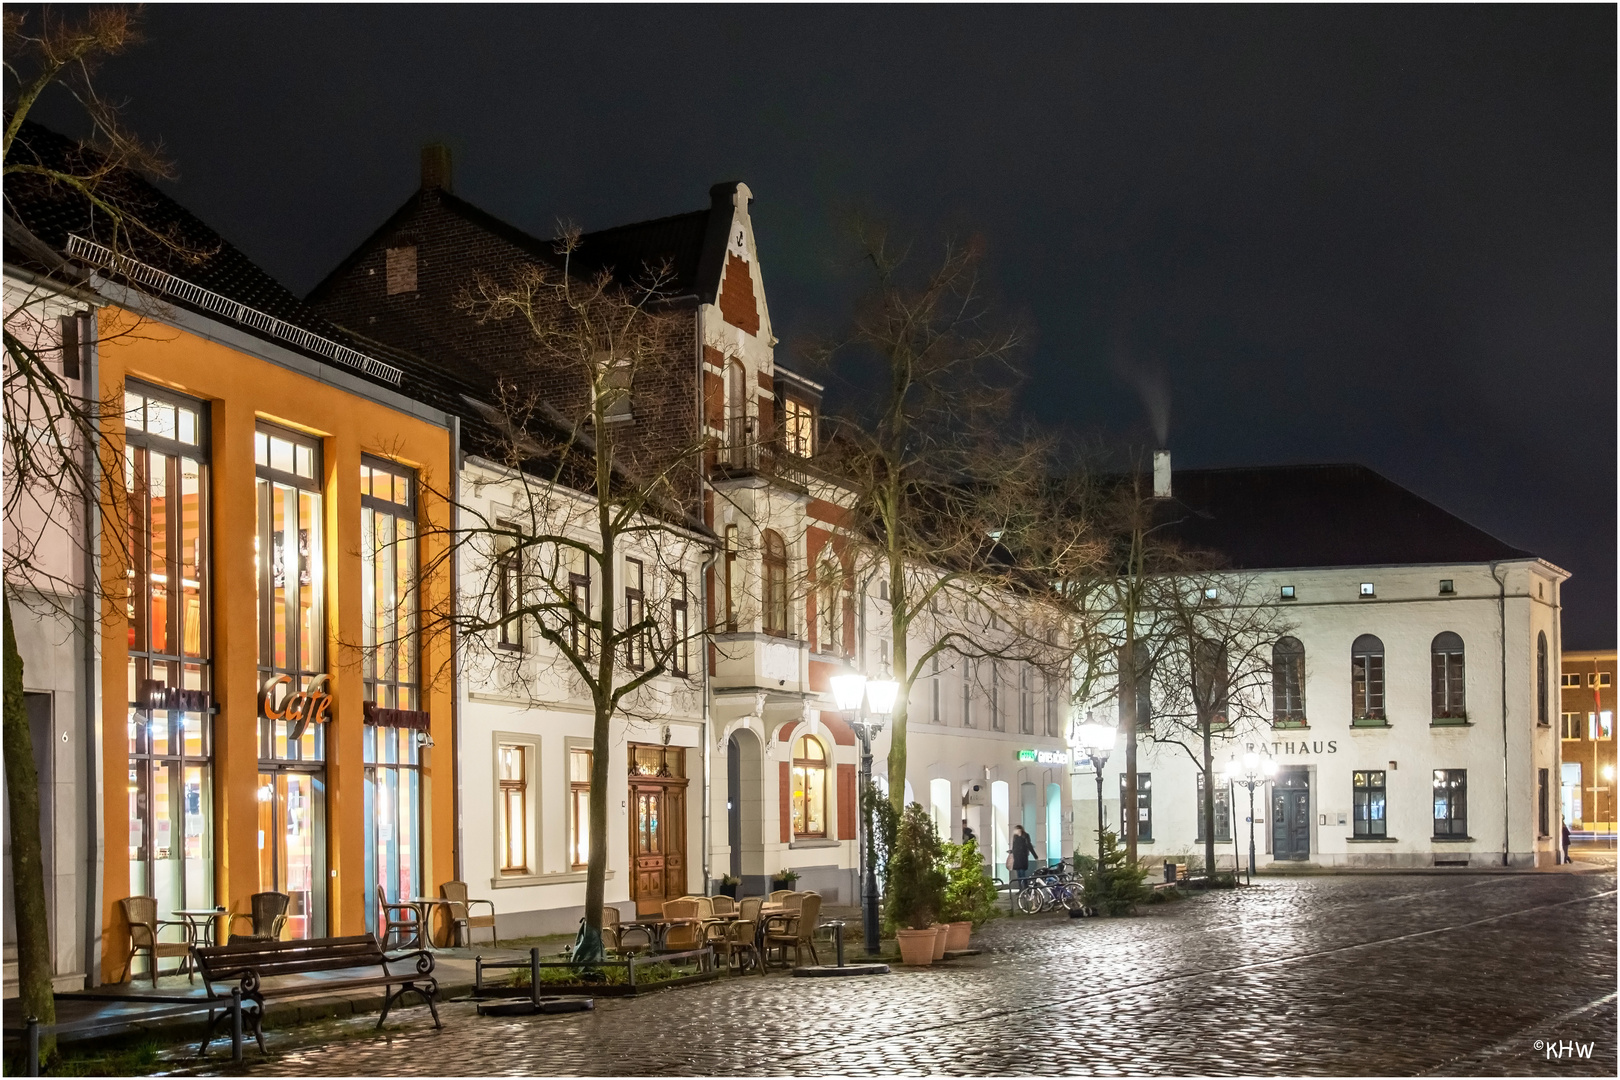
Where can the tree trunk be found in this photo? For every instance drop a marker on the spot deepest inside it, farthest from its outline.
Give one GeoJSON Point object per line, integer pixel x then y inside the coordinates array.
{"type": "Point", "coordinates": [900, 671]}
{"type": "Point", "coordinates": [1209, 802]}
{"type": "Point", "coordinates": [35, 997]}
{"type": "Point", "coordinates": [1128, 720]}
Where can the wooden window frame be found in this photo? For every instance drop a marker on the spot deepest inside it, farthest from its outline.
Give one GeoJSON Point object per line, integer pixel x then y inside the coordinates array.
{"type": "Point", "coordinates": [777, 616]}
{"type": "Point", "coordinates": [635, 610]}
{"type": "Point", "coordinates": [505, 788]}
{"type": "Point", "coordinates": [1365, 785]}
{"type": "Point", "coordinates": [1447, 678]}
{"type": "Point", "coordinates": [576, 788]}
{"type": "Point", "coordinates": [1452, 782]}
{"type": "Point", "coordinates": [807, 765]}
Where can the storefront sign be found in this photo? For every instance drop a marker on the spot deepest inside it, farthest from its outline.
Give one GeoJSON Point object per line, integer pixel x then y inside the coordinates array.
{"type": "Point", "coordinates": [1045, 757]}
{"type": "Point", "coordinates": [155, 695]}
{"type": "Point", "coordinates": [300, 708]}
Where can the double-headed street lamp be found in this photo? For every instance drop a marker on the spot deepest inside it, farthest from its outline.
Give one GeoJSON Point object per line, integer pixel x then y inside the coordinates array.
{"type": "Point", "coordinates": [1254, 772]}
{"type": "Point", "coordinates": [1097, 740]}
{"type": "Point", "coordinates": [848, 691]}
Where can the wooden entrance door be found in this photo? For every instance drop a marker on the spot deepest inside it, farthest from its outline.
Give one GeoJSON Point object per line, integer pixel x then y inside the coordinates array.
{"type": "Point", "coordinates": [1291, 815]}
{"type": "Point", "coordinates": [657, 843]}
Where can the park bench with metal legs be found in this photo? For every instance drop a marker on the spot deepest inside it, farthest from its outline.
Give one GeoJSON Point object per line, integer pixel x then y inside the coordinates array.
{"type": "Point", "coordinates": [262, 970]}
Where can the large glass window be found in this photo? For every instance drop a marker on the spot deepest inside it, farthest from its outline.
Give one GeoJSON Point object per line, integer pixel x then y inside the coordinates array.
{"type": "Point", "coordinates": [1223, 811]}
{"type": "Point", "coordinates": [1370, 803]}
{"type": "Point", "coordinates": [579, 807]}
{"type": "Point", "coordinates": [809, 788]}
{"type": "Point", "coordinates": [1288, 682]}
{"type": "Point", "coordinates": [1446, 677]}
{"type": "Point", "coordinates": [290, 565]}
{"type": "Point", "coordinates": [170, 682]}
{"type": "Point", "coordinates": [395, 725]}
{"type": "Point", "coordinates": [512, 760]}
{"type": "Point", "coordinates": [1367, 679]}
{"type": "Point", "coordinates": [798, 428]}
{"type": "Point", "coordinates": [776, 584]}
{"type": "Point", "coordinates": [1451, 802]}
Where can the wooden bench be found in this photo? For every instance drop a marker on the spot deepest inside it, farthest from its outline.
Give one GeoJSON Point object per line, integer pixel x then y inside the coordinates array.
{"type": "Point", "coordinates": [263, 970]}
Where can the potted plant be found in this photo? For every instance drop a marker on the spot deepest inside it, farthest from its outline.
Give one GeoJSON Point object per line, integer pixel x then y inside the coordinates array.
{"type": "Point", "coordinates": [728, 885]}
{"type": "Point", "coordinates": [783, 879]}
{"type": "Point", "coordinates": [916, 886]}
{"type": "Point", "coordinates": [970, 893]}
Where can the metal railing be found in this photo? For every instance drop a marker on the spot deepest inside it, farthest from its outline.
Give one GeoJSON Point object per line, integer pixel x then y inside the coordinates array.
{"type": "Point", "coordinates": [30, 1033]}
{"type": "Point", "coordinates": [151, 276]}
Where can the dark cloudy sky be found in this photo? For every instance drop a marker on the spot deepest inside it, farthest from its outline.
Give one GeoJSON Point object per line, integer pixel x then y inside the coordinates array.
{"type": "Point", "coordinates": [1383, 235]}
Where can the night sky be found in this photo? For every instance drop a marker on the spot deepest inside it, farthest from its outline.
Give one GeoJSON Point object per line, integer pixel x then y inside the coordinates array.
{"type": "Point", "coordinates": [1383, 235]}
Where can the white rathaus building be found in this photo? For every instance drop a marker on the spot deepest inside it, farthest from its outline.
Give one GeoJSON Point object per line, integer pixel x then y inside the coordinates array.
{"type": "Point", "coordinates": [1419, 729]}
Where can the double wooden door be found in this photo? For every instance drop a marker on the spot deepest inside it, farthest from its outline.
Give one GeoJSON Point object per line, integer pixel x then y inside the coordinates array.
{"type": "Point", "coordinates": [1291, 815]}
{"type": "Point", "coordinates": [657, 842]}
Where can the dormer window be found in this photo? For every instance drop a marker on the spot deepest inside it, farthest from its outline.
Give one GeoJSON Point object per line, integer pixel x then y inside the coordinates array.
{"type": "Point", "coordinates": [798, 428]}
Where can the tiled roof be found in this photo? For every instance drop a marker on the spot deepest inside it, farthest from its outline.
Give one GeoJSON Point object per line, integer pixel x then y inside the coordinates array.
{"type": "Point", "coordinates": [1319, 515]}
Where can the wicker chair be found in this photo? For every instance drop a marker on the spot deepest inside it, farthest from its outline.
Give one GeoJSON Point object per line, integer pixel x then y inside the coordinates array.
{"type": "Point", "coordinates": [624, 939]}
{"type": "Point", "coordinates": [399, 918]}
{"type": "Point", "coordinates": [780, 895]}
{"type": "Point", "coordinates": [144, 927]}
{"type": "Point", "coordinates": [737, 942]}
{"type": "Point", "coordinates": [683, 935]}
{"type": "Point", "coordinates": [748, 908]}
{"type": "Point", "coordinates": [461, 915]}
{"type": "Point", "coordinates": [266, 918]}
{"type": "Point", "coordinates": [795, 931]}
{"type": "Point", "coordinates": [724, 906]}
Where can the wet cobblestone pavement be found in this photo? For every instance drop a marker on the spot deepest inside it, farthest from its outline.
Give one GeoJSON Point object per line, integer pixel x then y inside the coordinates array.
{"type": "Point", "coordinates": [1347, 976]}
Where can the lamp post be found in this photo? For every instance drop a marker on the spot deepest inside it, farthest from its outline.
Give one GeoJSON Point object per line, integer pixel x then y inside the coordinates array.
{"type": "Point", "coordinates": [848, 691]}
{"type": "Point", "coordinates": [1097, 740]}
{"type": "Point", "coordinates": [1254, 772]}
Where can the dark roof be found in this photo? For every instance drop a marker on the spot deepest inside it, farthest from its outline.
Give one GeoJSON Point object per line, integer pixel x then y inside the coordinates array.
{"type": "Point", "coordinates": [1319, 515]}
{"type": "Point", "coordinates": [187, 248]}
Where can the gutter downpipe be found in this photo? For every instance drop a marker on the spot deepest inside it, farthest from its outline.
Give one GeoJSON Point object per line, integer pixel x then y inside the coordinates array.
{"type": "Point", "coordinates": [1555, 774]}
{"type": "Point", "coordinates": [703, 728]}
{"type": "Point", "coordinates": [96, 836]}
{"type": "Point", "coordinates": [456, 687]}
{"type": "Point", "coordinates": [1501, 615]}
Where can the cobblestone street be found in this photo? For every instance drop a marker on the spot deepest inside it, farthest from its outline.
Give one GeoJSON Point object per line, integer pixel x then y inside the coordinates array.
{"type": "Point", "coordinates": [1350, 976]}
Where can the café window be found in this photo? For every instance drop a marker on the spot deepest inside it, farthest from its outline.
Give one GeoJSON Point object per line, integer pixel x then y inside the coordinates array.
{"type": "Point", "coordinates": [1144, 803]}
{"type": "Point", "coordinates": [512, 777]}
{"type": "Point", "coordinates": [1369, 800]}
{"type": "Point", "coordinates": [1223, 811]}
{"type": "Point", "coordinates": [1450, 802]}
{"type": "Point", "coordinates": [395, 727]}
{"type": "Point", "coordinates": [290, 573]}
{"type": "Point", "coordinates": [579, 807]}
{"type": "Point", "coordinates": [798, 428]}
{"type": "Point", "coordinates": [1367, 679]}
{"type": "Point", "coordinates": [809, 788]}
{"type": "Point", "coordinates": [170, 673]}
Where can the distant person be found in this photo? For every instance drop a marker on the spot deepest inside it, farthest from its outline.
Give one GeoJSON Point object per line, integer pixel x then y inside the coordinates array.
{"type": "Point", "coordinates": [967, 833]}
{"type": "Point", "coordinates": [1023, 850]}
{"type": "Point", "coordinates": [1565, 825]}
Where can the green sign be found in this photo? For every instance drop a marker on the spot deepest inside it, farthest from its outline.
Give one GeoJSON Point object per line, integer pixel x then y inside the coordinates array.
{"type": "Point", "coordinates": [1026, 755]}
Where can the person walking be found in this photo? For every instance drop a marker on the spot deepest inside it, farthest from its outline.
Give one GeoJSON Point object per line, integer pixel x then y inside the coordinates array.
{"type": "Point", "coordinates": [1022, 850]}
{"type": "Point", "coordinates": [1565, 826]}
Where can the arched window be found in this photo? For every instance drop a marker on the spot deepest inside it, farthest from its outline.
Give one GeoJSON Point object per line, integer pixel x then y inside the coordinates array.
{"type": "Point", "coordinates": [809, 788]}
{"type": "Point", "coordinates": [1446, 678]}
{"type": "Point", "coordinates": [1367, 679]}
{"type": "Point", "coordinates": [776, 595]}
{"type": "Point", "coordinates": [1288, 682]}
{"type": "Point", "coordinates": [1541, 678]}
{"type": "Point", "coordinates": [1211, 677]}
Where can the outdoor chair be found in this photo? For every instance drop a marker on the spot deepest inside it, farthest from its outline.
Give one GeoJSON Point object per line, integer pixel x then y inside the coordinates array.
{"type": "Point", "coordinates": [737, 942]}
{"type": "Point", "coordinates": [724, 906]}
{"type": "Point", "coordinates": [399, 918]}
{"type": "Point", "coordinates": [748, 909]}
{"type": "Point", "coordinates": [461, 916]}
{"type": "Point", "coordinates": [780, 895]}
{"type": "Point", "coordinates": [687, 934]}
{"type": "Point", "coordinates": [795, 931]}
{"type": "Point", "coordinates": [267, 916]}
{"type": "Point", "coordinates": [793, 900]}
{"type": "Point", "coordinates": [624, 939]}
{"type": "Point", "coordinates": [144, 928]}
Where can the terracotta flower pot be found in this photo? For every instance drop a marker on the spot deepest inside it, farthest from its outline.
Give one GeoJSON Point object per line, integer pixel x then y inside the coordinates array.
{"type": "Point", "coordinates": [940, 930]}
{"type": "Point", "coordinates": [916, 946]}
{"type": "Point", "coordinates": [958, 935]}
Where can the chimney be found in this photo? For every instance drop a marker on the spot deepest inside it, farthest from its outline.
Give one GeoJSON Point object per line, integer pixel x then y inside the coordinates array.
{"type": "Point", "coordinates": [436, 167]}
{"type": "Point", "coordinates": [1161, 474]}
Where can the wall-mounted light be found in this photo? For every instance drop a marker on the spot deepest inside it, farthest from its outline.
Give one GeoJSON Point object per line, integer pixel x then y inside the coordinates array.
{"type": "Point", "coordinates": [424, 741]}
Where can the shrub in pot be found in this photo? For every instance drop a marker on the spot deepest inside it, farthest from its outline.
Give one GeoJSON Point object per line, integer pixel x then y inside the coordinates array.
{"type": "Point", "coordinates": [916, 885]}
{"type": "Point", "coordinates": [784, 879]}
{"type": "Point", "coordinates": [970, 892]}
{"type": "Point", "coordinates": [729, 886]}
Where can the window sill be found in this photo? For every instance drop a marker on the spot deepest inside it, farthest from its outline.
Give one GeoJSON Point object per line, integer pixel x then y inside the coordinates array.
{"type": "Point", "coordinates": [1290, 725]}
{"type": "Point", "coordinates": [1443, 722]}
{"type": "Point", "coordinates": [1452, 839]}
{"type": "Point", "coordinates": [1371, 840]}
{"type": "Point", "coordinates": [518, 881]}
{"type": "Point", "coordinates": [1369, 722]}
{"type": "Point", "coordinates": [814, 842]}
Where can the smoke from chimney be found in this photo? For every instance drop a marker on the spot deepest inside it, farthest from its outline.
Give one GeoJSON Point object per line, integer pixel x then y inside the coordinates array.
{"type": "Point", "coordinates": [436, 167]}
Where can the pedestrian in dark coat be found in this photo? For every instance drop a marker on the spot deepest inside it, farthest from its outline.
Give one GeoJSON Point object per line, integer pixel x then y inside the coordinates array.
{"type": "Point", "coordinates": [1021, 852]}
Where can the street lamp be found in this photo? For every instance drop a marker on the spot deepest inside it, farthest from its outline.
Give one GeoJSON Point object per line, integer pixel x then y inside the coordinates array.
{"type": "Point", "coordinates": [1254, 772]}
{"type": "Point", "coordinates": [1097, 740]}
{"type": "Point", "coordinates": [848, 691]}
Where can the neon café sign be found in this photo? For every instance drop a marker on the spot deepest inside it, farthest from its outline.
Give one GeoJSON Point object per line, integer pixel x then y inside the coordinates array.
{"type": "Point", "coordinates": [1045, 757]}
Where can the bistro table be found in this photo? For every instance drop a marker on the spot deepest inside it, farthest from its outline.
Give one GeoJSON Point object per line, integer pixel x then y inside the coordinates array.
{"type": "Point", "coordinates": [424, 911]}
{"type": "Point", "coordinates": [658, 927]}
{"type": "Point", "coordinates": [200, 924]}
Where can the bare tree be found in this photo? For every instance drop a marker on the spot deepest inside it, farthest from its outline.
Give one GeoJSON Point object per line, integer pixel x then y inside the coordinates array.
{"type": "Point", "coordinates": [940, 496]}
{"type": "Point", "coordinates": [566, 484]}
{"type": "Point", "coordinates": [1213, 671]}
{"type": "Point", "coordinates": [62, 508]}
